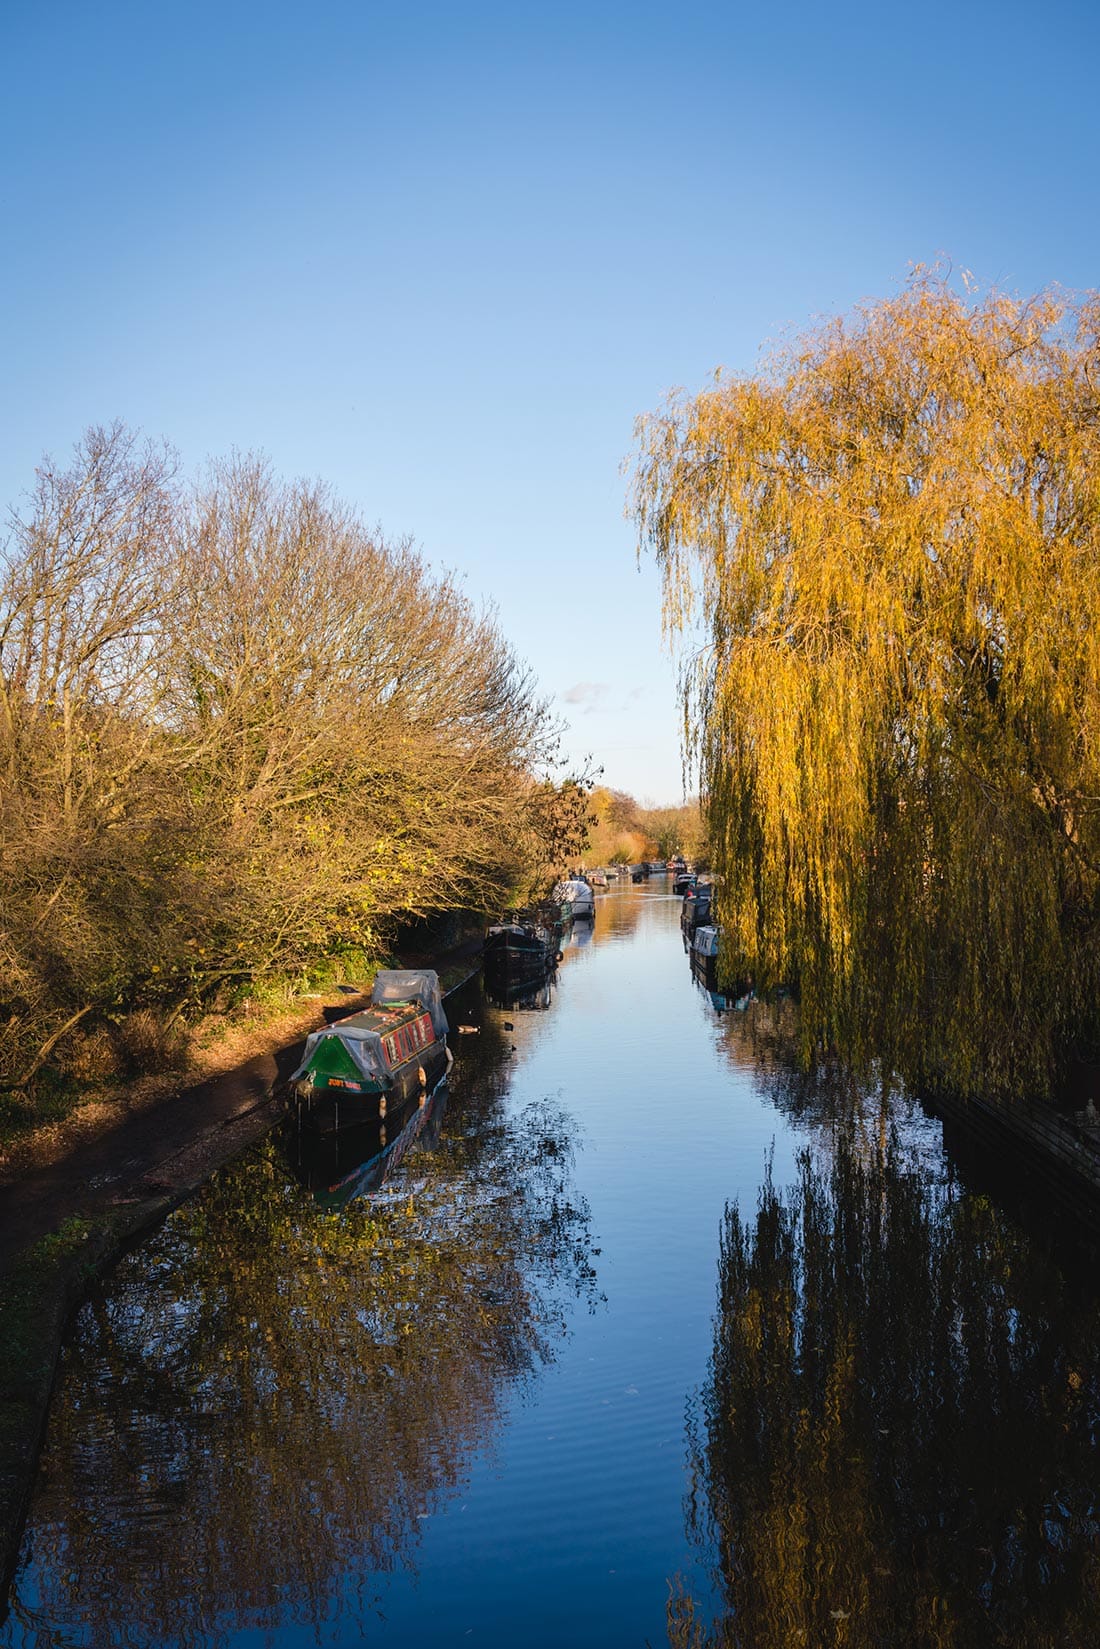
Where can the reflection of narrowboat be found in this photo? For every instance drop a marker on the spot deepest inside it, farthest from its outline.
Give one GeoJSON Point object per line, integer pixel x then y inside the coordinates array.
{"type": "Point", "coordinates": [359, 1068]}
{"type": "Point", "coordinates": [518, 955]}
{"type": "Point", "coordinates": [527, 999]}
{"type": "Point", "coordinates": [357, 1161]}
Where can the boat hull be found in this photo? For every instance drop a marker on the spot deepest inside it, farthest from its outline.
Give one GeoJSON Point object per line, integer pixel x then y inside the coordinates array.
{"type": "Point", "coordinates": [328, 1104]}
{"type": "Point", "coordinates": [514, 962]}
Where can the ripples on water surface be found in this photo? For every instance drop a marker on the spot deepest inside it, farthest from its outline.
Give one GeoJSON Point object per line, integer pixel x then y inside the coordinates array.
{"type": "Point", "coordinates": [517, 1373]}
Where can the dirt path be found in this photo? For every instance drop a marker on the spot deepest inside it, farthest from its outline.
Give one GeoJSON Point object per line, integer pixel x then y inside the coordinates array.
{"type": "Point", "coordinates": [156, 1154]}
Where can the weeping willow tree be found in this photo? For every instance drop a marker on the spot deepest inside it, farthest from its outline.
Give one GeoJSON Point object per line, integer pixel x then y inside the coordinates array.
{"type": "Point", "coordinates": [881, 555]}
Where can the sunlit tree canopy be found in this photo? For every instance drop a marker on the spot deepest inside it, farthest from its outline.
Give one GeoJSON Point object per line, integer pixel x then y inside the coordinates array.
{"type": "Point", "coordinates": [882, 554]}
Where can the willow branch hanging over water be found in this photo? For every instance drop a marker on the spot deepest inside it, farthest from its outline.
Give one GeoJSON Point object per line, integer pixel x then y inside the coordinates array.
{"type": "Point", "coordinates": [882, 556]}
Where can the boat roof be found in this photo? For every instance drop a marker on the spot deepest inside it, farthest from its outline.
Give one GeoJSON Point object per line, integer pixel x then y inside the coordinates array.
{"type": "Point", "coordinates": [378, 1019]}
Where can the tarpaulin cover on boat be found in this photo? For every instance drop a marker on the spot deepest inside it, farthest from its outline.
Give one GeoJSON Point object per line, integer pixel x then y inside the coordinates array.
{"type": "Point", "coordinates": [393, 986]}
{"type": "Point", "coordinates": [578, 894]}
{"type": "Point", "coordinates": [363, 1045]}
{"type": "Point", "coordinates": [705, 942]}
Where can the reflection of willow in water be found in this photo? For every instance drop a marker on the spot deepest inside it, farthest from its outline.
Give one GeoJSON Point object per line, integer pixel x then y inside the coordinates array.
{"type": "Point", "coordinates": [897, 1443]}
{"type": "Point", "coordinates": [265, 1399]}
{"type": "Point", "coordinates": [764, 1037]}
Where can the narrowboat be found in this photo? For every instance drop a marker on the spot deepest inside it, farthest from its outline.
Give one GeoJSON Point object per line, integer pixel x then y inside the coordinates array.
{"type": "Point", "coordinates": [705, 946]}
{"type": "Point", "coordinates": [579, 896]}
{"type": "Point", "coordinates": [704, 956]}
{"type": "Point", "coordinates": [359, 1068]}
{"type": "Point", "coordinates": [519, 954]}
{"type": "Point", "coordinates": [683, 881]}
{"type": "Point", "coordinates": [697, 910]}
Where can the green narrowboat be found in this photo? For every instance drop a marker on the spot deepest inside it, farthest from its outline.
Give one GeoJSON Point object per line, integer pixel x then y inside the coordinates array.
{"type": "Point", "coordinates": [361, 1067]}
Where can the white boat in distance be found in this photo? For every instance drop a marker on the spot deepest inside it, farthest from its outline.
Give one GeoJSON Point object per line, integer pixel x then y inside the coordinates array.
{"type": "Point", "coordinates": [579, 896]}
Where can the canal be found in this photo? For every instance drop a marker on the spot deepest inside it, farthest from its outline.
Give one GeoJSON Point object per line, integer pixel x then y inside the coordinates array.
{"type": "Point", "coordinates": [640, 1333]}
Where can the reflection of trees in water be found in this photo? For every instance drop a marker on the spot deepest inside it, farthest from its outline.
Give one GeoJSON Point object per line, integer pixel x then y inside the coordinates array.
{"type": "Point", "coordinates": [263, 1402]}
{"type": "Point", "coordinates": [619, 911]}
{"type": "Point", "coordinates": [898, 1440]}
{"type": "Point", "coordinates": [811, 1089]}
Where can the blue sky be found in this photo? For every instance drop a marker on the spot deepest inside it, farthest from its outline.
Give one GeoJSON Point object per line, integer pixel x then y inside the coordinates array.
{"type": "Point", "coordinates": [443, 255]}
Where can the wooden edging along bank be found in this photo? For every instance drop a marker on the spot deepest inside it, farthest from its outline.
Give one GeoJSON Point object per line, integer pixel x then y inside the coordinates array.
{"type": "Point", "coordinates": [1061, 1153]}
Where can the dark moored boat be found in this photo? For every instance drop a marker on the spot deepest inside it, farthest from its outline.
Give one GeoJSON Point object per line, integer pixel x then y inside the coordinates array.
{"type": "Point", "coordinates": [705, 945]}
{"type": "Point", "coordinates": [683, 881]}
{"type": "Point", "coordinates": [520, 954]}
{"type": "Point", "coordinates": [359, 1068]}
{"type": "Point", "coordinates": [697, 910]}
{"type": "Point", "coordinates": [704, 956]}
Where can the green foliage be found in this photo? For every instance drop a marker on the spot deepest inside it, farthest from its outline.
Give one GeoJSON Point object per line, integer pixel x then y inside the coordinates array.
{"type": "Point", "coordinates": [884, 554]}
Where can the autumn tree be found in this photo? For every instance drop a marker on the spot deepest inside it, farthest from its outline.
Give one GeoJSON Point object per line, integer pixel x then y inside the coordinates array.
{"type": "Point", "coordinates": [240, 732]}
{"type": "Point", "coordinates": [88, 804]}
{"type": "Point", "coordinates": [366, 735]}
{"type": "Point", "coordinates": [882, 553]}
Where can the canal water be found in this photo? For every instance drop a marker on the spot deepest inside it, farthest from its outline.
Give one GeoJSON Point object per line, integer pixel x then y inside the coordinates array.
{"type": "Point", "coordinates": [641, 1333]}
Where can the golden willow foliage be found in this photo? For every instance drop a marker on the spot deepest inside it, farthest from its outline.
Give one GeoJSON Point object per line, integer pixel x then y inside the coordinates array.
{"type": "Point", "coordinates": [239, 732]}
{"type": "Point", "coordinates": [890, 540]}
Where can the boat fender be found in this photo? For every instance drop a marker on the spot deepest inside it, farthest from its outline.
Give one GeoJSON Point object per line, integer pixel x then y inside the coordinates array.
{"type": "Point", "coordinates": [561, 956]}
{"type": "Point", "coordinates": [382, 1106]}
{"type": "Point", "coordinates": [422, 1076]}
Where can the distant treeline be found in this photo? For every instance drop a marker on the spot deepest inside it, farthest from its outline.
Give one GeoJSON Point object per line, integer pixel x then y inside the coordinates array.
{"type": "Point", "coordinates": [239, 732]}
{"type": "Point", "coordinates": [624, 832]}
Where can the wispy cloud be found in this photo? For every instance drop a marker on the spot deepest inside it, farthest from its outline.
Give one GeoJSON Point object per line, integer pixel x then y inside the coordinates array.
{"type": "Point", "coordinates": [589, 693]}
